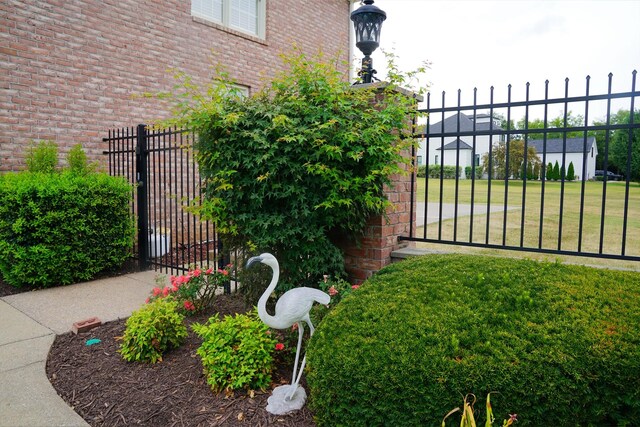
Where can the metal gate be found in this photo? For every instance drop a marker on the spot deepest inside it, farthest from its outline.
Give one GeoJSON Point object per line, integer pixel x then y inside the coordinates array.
{"type": "Point", "coordinates": [161, 166]}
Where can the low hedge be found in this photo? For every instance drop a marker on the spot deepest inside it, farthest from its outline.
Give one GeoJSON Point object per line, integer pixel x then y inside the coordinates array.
{"type": "Point", "coordinates": [57, 229]}
{"type": "Point", "coordinates": [559, 343]}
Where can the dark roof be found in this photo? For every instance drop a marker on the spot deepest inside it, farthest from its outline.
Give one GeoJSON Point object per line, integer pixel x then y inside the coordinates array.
{"type": "Point", "coordinates": [454, 145]}
{"type": "Point", "coordinates": [466, 124]}
{"type": "Point", "coordinates": [574, 145]}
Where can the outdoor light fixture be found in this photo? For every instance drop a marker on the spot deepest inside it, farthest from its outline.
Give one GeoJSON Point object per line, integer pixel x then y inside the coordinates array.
{"type": "Point", "coordinates": [367, 20]}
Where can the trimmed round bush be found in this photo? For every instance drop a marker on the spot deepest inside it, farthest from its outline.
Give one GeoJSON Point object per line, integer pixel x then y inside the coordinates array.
{"type": "Point", "coordinates": [557, 344]}
{"type": "Point", "coordinates": [57, 229]}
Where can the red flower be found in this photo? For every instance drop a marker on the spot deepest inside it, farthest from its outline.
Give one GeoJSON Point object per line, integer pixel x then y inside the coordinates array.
{"type": "Point", "coordinates": [333, 291]}
{"type": "Point", "coordinates": [196, 273]}
{"type": "Point", "coordinates": [209, 271]}
{"type": "Point", "coordinates": [166, 291]}
{"type": "Point", "coordinates": [156, 291]}
{"type": "Point", "coordinates": [279, 346]}
{"type": "Point", "coordinates": [354, 287]}
{"type": "Point", "coordinates": [188, 305]}
{"type": "Point", "coordinates": [146, 301]}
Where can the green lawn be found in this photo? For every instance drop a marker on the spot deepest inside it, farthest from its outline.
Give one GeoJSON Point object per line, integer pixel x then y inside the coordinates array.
{"type": "Point", "coordinates": [550, 223]}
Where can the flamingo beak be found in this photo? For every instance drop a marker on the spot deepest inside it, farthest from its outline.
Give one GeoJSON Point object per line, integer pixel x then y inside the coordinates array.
{"type": "Point", "coordinates": [253, 260]}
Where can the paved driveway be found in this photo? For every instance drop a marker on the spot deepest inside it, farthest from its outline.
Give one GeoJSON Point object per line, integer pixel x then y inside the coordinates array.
{"type": "Point", "coordinates": [448, 211]}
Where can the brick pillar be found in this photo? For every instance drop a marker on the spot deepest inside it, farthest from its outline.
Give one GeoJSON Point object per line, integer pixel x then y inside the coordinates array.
{"type": "Point", "coordinates": [373, 250]}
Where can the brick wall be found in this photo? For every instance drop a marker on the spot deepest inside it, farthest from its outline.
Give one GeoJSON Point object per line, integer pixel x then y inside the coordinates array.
{"type": "Point", "coordinates": [70, 68]}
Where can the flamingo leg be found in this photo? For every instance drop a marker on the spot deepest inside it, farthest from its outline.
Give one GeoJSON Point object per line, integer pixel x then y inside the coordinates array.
{"type": "Point", "coordinates": [296, 380]}
{"type": "Point", "coordinates": [295, 365]}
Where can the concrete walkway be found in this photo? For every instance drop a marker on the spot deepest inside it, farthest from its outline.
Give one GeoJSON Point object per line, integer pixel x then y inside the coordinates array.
{"type": "Point", "coordinates": [29, 323]}
{"type": "Point", "coordinates": [448, 211]}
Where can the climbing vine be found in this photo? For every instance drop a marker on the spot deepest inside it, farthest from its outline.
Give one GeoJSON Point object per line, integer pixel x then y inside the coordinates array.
{"type": "Point", "coordinates": [303, 159]}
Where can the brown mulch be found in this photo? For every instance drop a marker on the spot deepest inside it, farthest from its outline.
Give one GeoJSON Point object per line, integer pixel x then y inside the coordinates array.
{"type": "Point", "coordinates": [107, 391]}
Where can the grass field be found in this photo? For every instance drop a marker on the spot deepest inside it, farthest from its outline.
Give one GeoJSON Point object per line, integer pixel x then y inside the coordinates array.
{"type": "Point", "coordinates": [536, 230]}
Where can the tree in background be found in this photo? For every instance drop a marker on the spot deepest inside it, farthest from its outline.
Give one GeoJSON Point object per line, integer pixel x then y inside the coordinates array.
{"type": "Point", "coordinates": [619, 145]}
{"type": "Point", "coordinates": [571, 174]}
{"type": "Point", "coordinates": [557, 122]}
{"type": "Point", "coordinates": [556, 171]}
{"type": "Point", "coordinates": [549, 174]}
{"type": "Point", "coordinates": [517, 168]}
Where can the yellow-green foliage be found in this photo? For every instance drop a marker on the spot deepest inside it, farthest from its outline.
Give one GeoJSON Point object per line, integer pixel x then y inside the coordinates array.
{"type": "Point", "coordinates": [152, 330]}
{"type": "Point", "coordinates": [236, 352]}
{"type": "Point", "coordinates": [560, 343]}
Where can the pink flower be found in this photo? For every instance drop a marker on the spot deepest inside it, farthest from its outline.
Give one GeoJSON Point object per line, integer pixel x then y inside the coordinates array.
{"type": "Point", "coordinates": [354, 287]}
{"type": "Point", "coordinates": [223, 272]}
{"type": "Point", "coordinates": [294, 327]}
{"type": "Point", "coordinates": [196, 273]}
{"type": "Point", "coordinates": [147, 301]}
{"type": "Point", "coordinates": [189, 306]}
{"type": "Point", "coordinates": [156, 291]}
{"type": "Point", "coordinates": [209, 271]}
{"type": "Point", "coordinates": [333, 291]}
{"type": "Point", "coordinates": [279, 346]}
{"type": "Point", "coordinates": [166, 291]}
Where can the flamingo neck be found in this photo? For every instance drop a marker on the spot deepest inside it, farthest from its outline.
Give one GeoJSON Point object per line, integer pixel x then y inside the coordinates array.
{"type": "Point", "coordinates": [262, 302]}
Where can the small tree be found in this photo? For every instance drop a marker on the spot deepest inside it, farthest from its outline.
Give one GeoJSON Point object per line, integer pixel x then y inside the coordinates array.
{"type": "Point", "coordinates": [549, 172]}
{"type": "Point", "coordinates": [42, 157]}
{"type": "Point", "coordinates": [298, 163]}
{"type": "Point", "coordinates": [571, 174]}
{"type": "Point", "coordinates": [556, 171]}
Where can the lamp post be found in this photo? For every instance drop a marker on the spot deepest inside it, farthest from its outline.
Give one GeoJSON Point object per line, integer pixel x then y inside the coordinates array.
{"type": "Point", "coordinates": [367, 21]}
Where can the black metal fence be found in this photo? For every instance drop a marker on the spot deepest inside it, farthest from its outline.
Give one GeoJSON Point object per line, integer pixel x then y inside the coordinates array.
{"type": "Point", "coordinates": [508, 175]}
{"type": "Point", "coordinates": [161, 164]}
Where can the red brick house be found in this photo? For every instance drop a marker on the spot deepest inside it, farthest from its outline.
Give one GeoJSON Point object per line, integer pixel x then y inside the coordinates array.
{"type": "Point", "coordinates": [70, 68]}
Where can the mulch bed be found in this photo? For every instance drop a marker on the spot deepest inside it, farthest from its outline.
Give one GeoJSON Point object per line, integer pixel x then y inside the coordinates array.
{"type": "Point", "coordinates": [107, 391]}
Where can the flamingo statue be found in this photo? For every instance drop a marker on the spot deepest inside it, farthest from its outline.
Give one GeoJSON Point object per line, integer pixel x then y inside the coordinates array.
{"type": "Point", "coordinates": [291, 308]}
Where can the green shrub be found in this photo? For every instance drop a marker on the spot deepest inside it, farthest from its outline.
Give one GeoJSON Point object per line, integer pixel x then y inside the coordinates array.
{"type": "Point", "coordinates": [236, 352]}
{"type": "Point", "coordinates": [468, 170]}
{"type": "Point", "coordinates": [57, 229]}
{"type": "Point", "coordinates": [448, 172]}
{"type": "Point", "coordinates": [42, 157]}
{"type": "Point", "coordinates": [299, 162]}
{"type": "Point", "coordinates": [151, 331]}
{"type": "Point", "coordinates": [77, 161]}
{"type": "Point", "coordinates": [560, 343]}
{"type": "Point", "coordinates": [571, 173]}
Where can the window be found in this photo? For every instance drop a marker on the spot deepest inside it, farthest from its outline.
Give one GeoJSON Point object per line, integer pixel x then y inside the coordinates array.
{"type": "Point", "coordinates": [419, 160]}
{"type": "Point", "coordinates": [477, 159]}
{"type": "Point", "coordinates": [436, 162]}
{"type": "Point", "coordinates": [248, 16]}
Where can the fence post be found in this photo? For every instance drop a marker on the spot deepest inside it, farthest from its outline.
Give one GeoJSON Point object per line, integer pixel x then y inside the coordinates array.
{"type": "Point", "coordinates": [141, 180]}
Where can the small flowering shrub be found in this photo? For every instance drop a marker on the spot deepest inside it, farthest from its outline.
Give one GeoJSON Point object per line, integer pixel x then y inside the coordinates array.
{"type": "Point", "coordinates": [151, 331]}
{"type": "Point", "coordinates": [560, 343]}
{"type": "Point", "coordinates": [237, 352]}
{"type": "Point", "coordinates": [194, 291]}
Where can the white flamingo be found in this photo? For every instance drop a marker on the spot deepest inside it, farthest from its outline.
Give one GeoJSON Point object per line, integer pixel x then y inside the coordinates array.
{"type": "Point", "coordinates": [291, 308]}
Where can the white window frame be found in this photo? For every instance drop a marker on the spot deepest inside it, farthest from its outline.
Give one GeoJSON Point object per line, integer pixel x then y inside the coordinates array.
{"type": "Point", "coordinates": [226, 18]}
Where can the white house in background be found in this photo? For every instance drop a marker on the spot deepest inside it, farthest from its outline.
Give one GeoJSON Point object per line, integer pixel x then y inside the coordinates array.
{"type": "Point", "coordinates": [577, 149]}
{"type": "Point", "coordinates": [442, 150]}
{"type": "Point", "coordinates": [449, 150]}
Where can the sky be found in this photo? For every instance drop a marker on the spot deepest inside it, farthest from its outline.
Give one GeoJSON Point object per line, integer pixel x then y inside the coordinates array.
{"type": "Point", "coordinates": [496, 43]}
